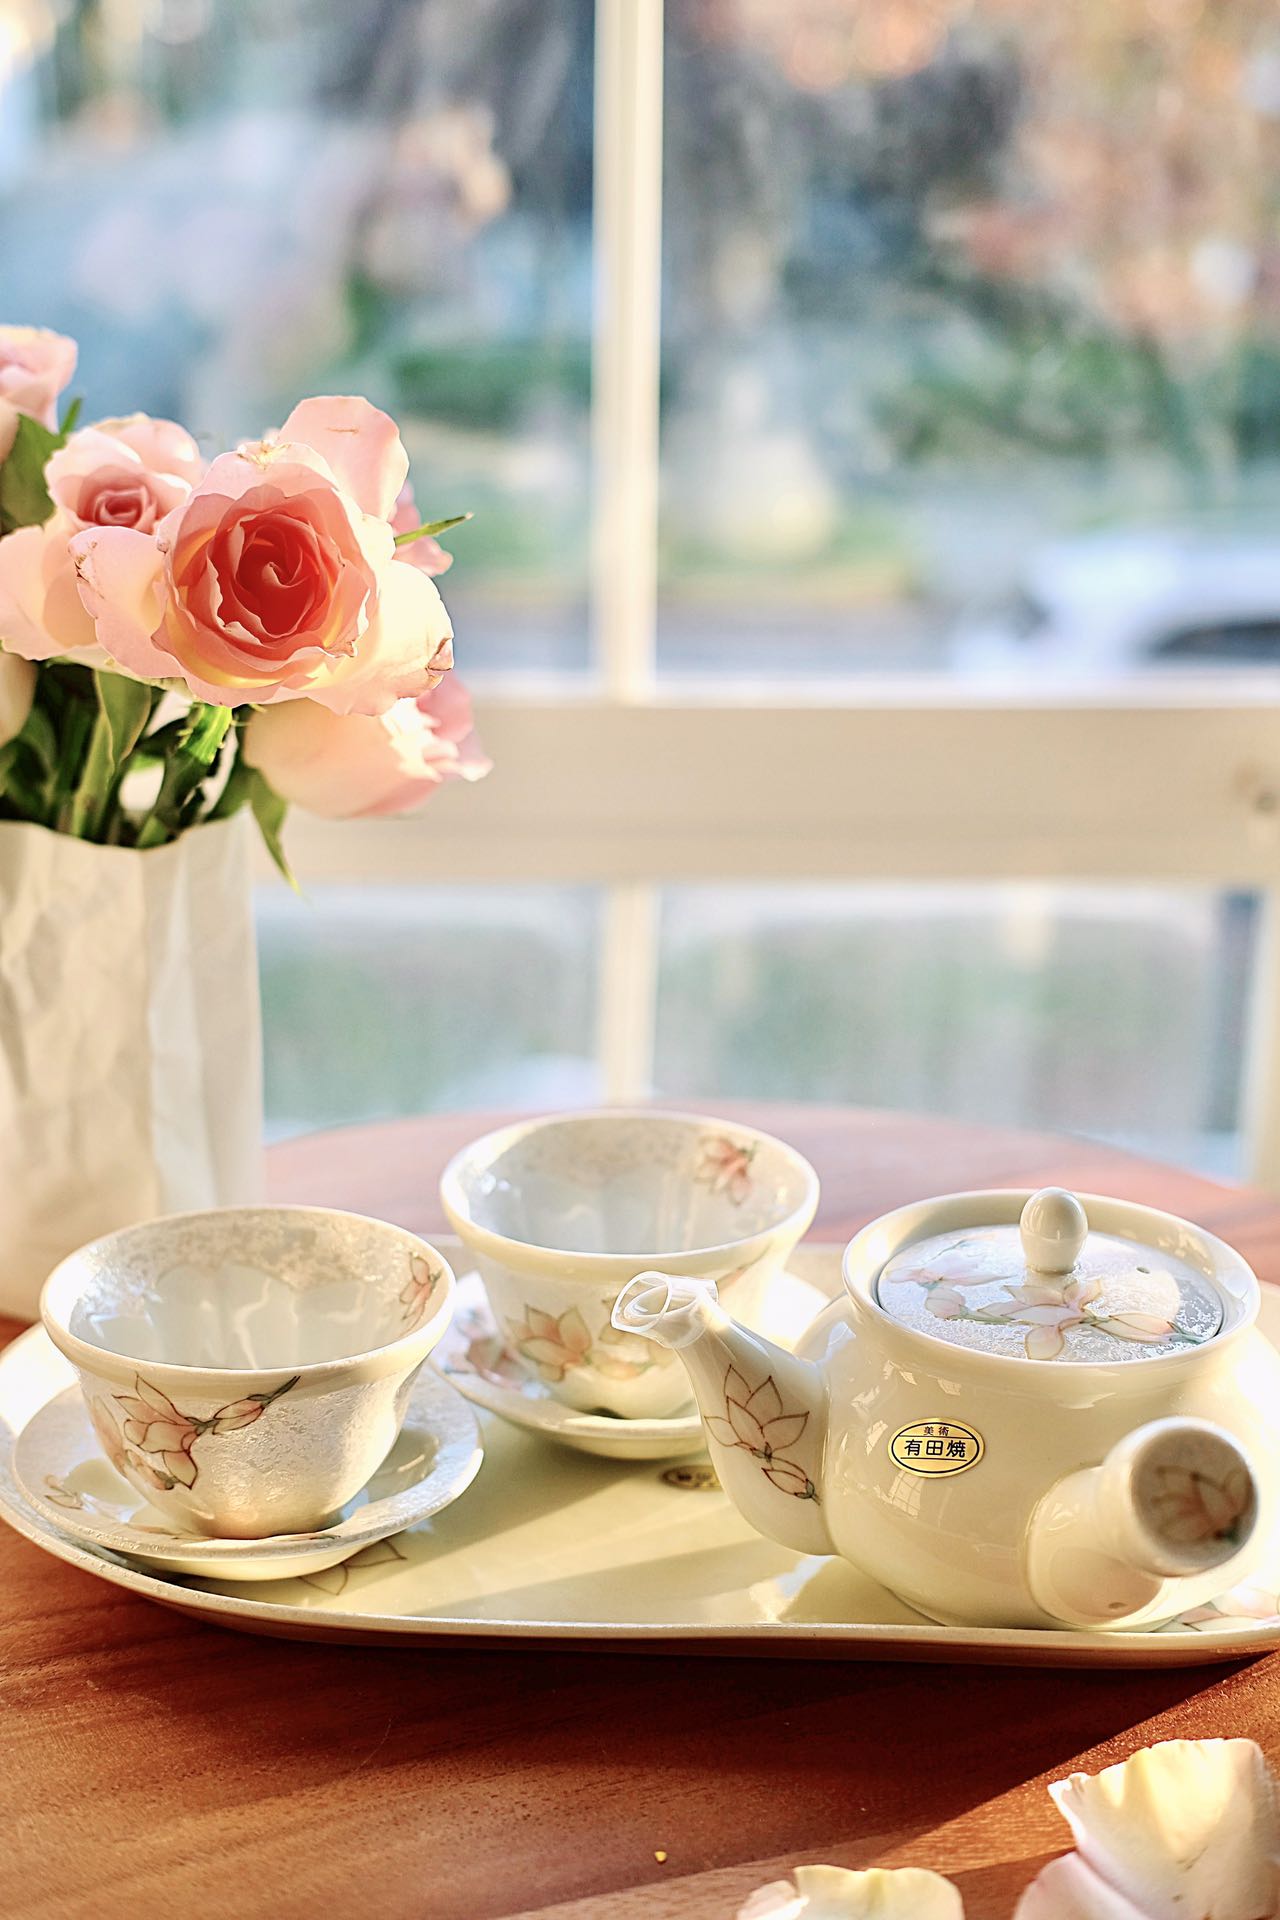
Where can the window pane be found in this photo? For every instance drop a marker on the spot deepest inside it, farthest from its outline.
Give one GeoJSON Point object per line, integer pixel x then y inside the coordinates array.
{"type": "Point", "coordinates": [231, 206]}
{"type": "Point", "coordinates": [972, 352]}
{"type": "Point", "coordinates": [1114, 1012]}
{"type": "Point", "coordinates": [391, 1000]}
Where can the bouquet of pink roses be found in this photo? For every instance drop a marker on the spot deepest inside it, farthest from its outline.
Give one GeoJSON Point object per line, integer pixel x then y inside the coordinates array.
{"type": "Point", "coordinates": [254, 631]}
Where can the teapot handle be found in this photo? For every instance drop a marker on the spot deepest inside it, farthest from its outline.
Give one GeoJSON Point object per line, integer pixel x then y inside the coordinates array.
{"type": "Point", "coordinates": [1170, 1505]}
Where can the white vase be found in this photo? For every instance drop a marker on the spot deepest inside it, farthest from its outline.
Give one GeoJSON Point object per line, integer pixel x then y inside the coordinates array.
{"type": "Point", "coordinates": [130, 1039]}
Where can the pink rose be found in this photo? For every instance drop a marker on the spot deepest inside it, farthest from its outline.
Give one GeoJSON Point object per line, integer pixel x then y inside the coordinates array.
{"type": "Point", "coordinates": [345, 765]}
{"type": "Point", "coordinates": [35, 366]}
{"type": "Point", "coordinates": [119, 473]}
{"type": "Point", "coordinates": [427, 552]}
{"type": "Point", "coordinates": [278, 577]}
{"type": "Point", "coordinates": [17, 691]}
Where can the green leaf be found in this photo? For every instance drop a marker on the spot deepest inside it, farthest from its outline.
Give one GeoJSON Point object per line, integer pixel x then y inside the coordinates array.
{"type": "Point", "coordinates": [20, 798]}
{"type": "Point", "coordinates": [40, 735]}
{"type": "Point", "coordinates": [71, 416]}
{"type": "Point", "coordinates": [432, 527]}
{"type": "Point", "coordinates": [93, 789]}
{"type": "Point", "coordinates": [235, 793]}
{"type": "Point", "coordinates": [269, 811]}
{"type": "Point", "coordinates": [126, 707]}
{"type": "Point", "coordinates": [24, 497]}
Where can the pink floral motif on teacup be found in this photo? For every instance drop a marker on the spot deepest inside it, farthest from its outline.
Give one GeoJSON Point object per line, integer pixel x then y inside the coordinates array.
{"type": "Point", "coordinates": [725, 1167]}
{"type": "Point", "coordinates": [157, 1427]}
{"type": "Point", "coordinates": [415, 1294]}
{"type": "Point", "coordinates": [555, 1346]}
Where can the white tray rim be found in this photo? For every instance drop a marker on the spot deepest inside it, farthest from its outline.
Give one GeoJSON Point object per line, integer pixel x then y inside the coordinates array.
{"type": "Point", "coordinates": [868, 1640]}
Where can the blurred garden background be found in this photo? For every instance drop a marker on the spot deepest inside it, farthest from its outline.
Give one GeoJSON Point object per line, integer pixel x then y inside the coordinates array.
{"type": "Point", "coordinates": [970, 367]}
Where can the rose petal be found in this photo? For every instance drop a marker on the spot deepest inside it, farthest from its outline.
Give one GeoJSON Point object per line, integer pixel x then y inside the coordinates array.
{"type": "Point", "coordinates": [393, 661]}
{"type": "Point", "coordinates": [841, 1893]}
{"type": "Point", "coordinates": [17, 692]}
{"type": "Point", "coordinates": [1068, 1889]}
{"type": "Point", "coordinates": [361, 444]}
{"type": "Point", "coordinates": [1188, 1827]}
{"type": "Point", "coordinates": [119, 573]}
{"type": "Point", "coordinates": [22, 628]}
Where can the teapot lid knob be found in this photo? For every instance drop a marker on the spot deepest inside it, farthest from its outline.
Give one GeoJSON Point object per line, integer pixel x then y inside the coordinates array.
{"type": "Point", "coordinates": [1054, 1226]}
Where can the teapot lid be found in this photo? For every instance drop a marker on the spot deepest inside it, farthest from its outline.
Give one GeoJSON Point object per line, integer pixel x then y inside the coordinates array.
{"type": "Point", "coordinates": [1049, 1289]}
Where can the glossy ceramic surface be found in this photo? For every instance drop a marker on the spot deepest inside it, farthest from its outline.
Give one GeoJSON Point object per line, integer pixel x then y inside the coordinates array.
{"type": "Point", "coordinates": [550, 1545]}
{"type": "Point", "coordinates": [248, 1369]}
{"type": "Point", "coordinates": [476, 1359]}
{"type": "Point", "coordinates": [63, 1473]}
{"type": "Point", "coordinates": [997, 1487]}
{"type": "Point", "coordinates": [558, 1214]}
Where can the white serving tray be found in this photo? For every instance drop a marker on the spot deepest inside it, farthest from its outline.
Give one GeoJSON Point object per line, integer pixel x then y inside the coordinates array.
{"type": "Point", "coordinates": [552, 1545]}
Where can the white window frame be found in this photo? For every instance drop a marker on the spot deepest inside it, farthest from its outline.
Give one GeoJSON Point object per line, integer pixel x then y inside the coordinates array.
{"type": "Point", "coordinates": [623, 783]}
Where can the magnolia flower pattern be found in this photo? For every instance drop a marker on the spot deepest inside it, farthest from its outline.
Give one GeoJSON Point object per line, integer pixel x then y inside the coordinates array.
{"type": "Point", "coordinates": [1049, 1308]}
{"type": "Point", "coordinates": [1049, 1311]}
{"type": "Point", "coordinates": [415, 1294]}
{"type": "Point", "coordinates": [72, 1500]}
{"type": "Point", "coordinates": [555, 1346]}
{"type": "Point", "coordinates": [1259, 1606]}
{"type": "Point", "coordinates": [155, 1426]}
{"type": "Point", "coordinates": [1191, 1506]}
{"type": "Point", "coordinates": [725, 1167]}
{"type": "Point", "coordinates": [333, 1580]}
{"type": "Point", "coordinates": [62, 1495]}
{"type": "Point", "coordinates": [122, 1458]}
{"type": "Point", "coordinates": [755, 1420]}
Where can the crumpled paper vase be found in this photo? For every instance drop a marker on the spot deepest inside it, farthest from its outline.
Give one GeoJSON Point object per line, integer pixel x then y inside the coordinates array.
{"type": "Point", "coordinates": [130, 1039]}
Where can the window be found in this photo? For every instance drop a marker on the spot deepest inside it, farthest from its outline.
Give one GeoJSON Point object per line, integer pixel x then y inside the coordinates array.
{"type": "Point", "coordinates": [859, 403]}
{"type": "Point", "coordinates": [229, 205]}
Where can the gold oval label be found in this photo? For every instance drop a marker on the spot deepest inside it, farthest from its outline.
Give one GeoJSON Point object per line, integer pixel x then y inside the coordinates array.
{"type": "Point", "coordinates": [936, 1446]}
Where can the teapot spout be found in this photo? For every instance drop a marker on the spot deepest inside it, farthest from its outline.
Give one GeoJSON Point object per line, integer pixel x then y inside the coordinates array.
{"type": "Point", "coordinates": [1147, 1533]}
{"type": "Point", "coordinates": [764, 1410]}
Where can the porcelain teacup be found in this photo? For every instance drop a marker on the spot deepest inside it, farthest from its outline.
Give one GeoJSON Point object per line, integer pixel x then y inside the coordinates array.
{"type": "Point", "coordinates": [249, 1368]}
{"type": "Point", "coordinates": [560, 1213]}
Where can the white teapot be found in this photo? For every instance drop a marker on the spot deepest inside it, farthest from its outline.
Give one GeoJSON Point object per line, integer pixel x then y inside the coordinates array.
{"type": "Point", "coordinates": [1027, 1411]}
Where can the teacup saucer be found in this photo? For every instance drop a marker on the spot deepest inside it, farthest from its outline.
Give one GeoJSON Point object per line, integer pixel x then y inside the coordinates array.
{"type": "Point", "coordinates": [63, 1472]}
{"type": "Point", "coordinates": [473, 1357]}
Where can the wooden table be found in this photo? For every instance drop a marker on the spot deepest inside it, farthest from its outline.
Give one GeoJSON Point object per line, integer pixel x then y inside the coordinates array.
{"type": "Point", "coordinates": [154, 1767]}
